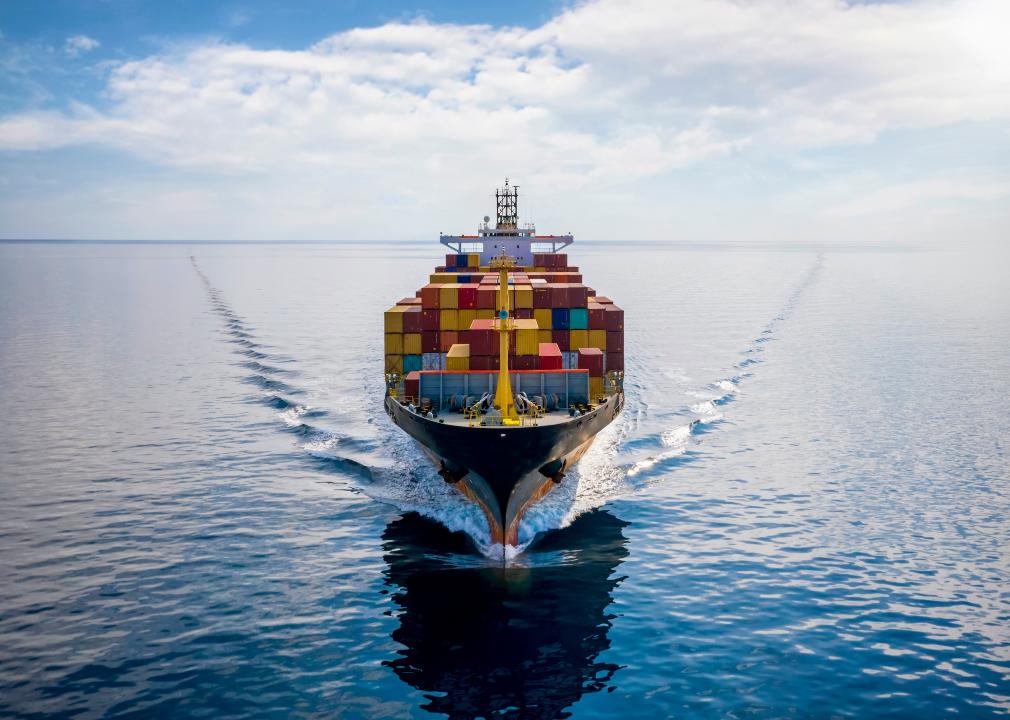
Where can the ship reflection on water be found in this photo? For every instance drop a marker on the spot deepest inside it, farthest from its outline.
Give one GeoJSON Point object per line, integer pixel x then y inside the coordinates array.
{"type": "Point", "coordinates": [510, 642]}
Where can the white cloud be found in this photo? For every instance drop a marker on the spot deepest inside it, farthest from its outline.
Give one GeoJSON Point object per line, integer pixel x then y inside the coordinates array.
{"type": "Point", "coordinates": [77, 44]}
{"type": "Point", "coordinates": [606, 94]}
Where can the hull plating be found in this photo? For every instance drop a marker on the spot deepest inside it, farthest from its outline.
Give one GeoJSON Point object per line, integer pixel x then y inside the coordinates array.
{"type": "Point", "coordinates": [505, 470]}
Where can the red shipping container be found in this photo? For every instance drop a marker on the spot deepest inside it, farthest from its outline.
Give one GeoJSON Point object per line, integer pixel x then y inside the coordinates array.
{"type": "Point", "coordinates": [602, 300]}
{"type": "Point", "coordinates": [560, 260]}
{"type": "Point", "coordinates": [429, 296]}
{"type": "Point", "coordinates": [489, 279]}
{"type": "Point", "coordinates": [412, 384]}
{"type": "Point", "coordinates": [450, 260]}
{"type": "Point", "coordinates": [487, 297]}
{"type": "Point", "coordinates": [550, 356]}
{"type": "Point", "coordinates": [613, 316]}
{"type": "Point", "coordinates": [615, 341]}
{"type": "Point", "coordinates": [596, 321]}
{"type": "Point", "coordinates": [523, 313]}
{"type": "Point", "coordinates": [577, 296]}
{"type": "Point", "coordinates": [483, 362]}
{"type": "Point", "coordinates": [412, 320]}
{"type": "Point", "coordinates": [524, 362]}
{"type": "Point", "coordinates": [559, 295]}
{"type": "Point", "coordinates": [483, 338]}
{"type": "Point", "coordinates": [541, 296]}
{"type": "Point", "coordinates": [446, 339]}
{"type": "Point", "coordinates": [561, 338]}
{"type": "Point", "coordinates": [429, 341]}
{"type": "Point", "coordinates": [591, 359]}
{"type": "Point", "coordinates": [430, 319]}
{"type": "Point", "coordinates": [467, 297]}
{"type": "Point", "coordinates": [409, 301]}
{"type": "Point", "coordinates": [615, 362]}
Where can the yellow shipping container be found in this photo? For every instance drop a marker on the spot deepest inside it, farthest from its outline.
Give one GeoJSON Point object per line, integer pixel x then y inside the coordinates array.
{"type": "Point", "coordinates": [598, 339]}
{"type": "Point", "coordinates": [539, 268]}
{"type": "Point", "coordinates": [412, 343]}
{"type": "Point", "coordinates": [527, 337]}
{"type": "Point", "coordinates": [448, 319]}
{"type": "Point", "coordinates": [394, 364]}
{"type": "Point", "coordinates": [441, 278]}
{"type": "Point", "coordinates": [393, 319]}
{"type": "Point", "coordinates": [484, 268]}
{"type": "Point", "coordinates": [524, 297]}
{"type": "Point", "coordinates": [458, 357]}
{"type": "Point", "coordinates": [543, 317]}
{"type": "Point", "coordinates": [578, 339]}
{"type": "Point", "coordinates": [544, 336]}
{"type": "Point", "coordinates": [473, 260]}
{"type": "Point", "coordinates": [464, 318]}
{"type": "Point", "coordinates": [394, 343]}
{"type": "Point", "coordinates": [595, 388]}
{"type": "Point", "coordinates": [448, 296]}
{"type": "Point", "coordinates": [485, 314]}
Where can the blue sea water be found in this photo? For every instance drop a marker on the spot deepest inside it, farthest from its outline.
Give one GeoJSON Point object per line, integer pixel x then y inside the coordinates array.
{"type": "Point", "coordinates": [803, 511]}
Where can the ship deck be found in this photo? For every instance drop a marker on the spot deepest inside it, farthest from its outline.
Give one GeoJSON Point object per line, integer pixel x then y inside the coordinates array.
{"type": "Point", "coordinates": [555, 417]}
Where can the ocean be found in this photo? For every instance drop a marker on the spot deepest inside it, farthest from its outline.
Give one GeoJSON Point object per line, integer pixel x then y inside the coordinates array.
{"type": "Point", "coordinates": [802, 511]}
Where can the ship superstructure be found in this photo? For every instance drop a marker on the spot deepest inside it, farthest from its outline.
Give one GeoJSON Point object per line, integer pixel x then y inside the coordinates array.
{"type": "Point", "coordinates": [505, 366]}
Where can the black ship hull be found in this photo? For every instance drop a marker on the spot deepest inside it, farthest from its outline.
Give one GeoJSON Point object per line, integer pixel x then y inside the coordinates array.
{"type": "Point", "coordinates": [505, 470]}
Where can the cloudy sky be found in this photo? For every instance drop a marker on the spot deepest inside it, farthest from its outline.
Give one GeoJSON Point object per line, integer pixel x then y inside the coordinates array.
{"type": "Point", "coordinates": [687, 120]}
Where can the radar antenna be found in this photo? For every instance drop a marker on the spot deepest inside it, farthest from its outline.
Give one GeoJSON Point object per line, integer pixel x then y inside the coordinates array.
{"type": "Point", "coordinates": [507, 202]}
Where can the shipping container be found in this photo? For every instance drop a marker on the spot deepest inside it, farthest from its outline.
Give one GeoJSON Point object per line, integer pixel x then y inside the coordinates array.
{"type": "Point", "coordinates": [464, 318]}
{"type": "Point", "coordinates": [544, 318]}
{"type": "Point", "coordinates": [577, 295]}
{"type": "Point", "coordinates": [544, 336]}
{"type": "Point", "coordinates": [598, 339]}
{"type": "Point", "coordinates": [432, 361]}
{"type": "Point", "coordinates": [412, 319]}
{"type": "Point", "coordinates": [550, 356]}
{"type": "Point", "coordinates": [595, 312]}
{"type": "Point", "coordinates": [448, 296]}
{"type": "Point", "coordinates": [527, 342]}
{"type": "Point", "coordinates": [394, 343]}
{"type": "Point", "coordinates": [559, 318]}
{"type": "Point", "coordinates": [578, 339]}
{"type": "Point", "coordinates": [485, 314]}
{"type": "Point", "coordinates": [523, 314]}
{"type": "Point", "coordinates": [526, 362]}
{"type": "Point", "coordinates": [570, 360]}
{"type": "Point", "coordinates": [462, 260]}
{"type": "Point", "coordinates": [484, 362]}
{"type": "Point", "coordinates": [393, 319]}
{"type": "Point", "coordinates": [602, 300]}
{"type": "Point", "coordinates": [394, 364]}
{"type": "Point", "coordinates": [431, 319]}
{"type": "Point", "coordinates": [487, 297]}
{"type": "Point", "coordinates": [429, 342]}
{"type": "Point", "coordinates": [473, 259]}
{"type": "Point", "coordinates": [411, 363]}
{"type": "Point", "coordinates": [523, 297]}
{"type": "Point", "coordinates": [595, 389]}
{"type": "Point", "coordinates": [411, 346]}
{"type": "Point", "coordinates": [429, 295]}
{"type": "Point", "coordinates": [615, 362]}
{"type": "Point", "coordinates": [615, 341]}
{"type": "Point", "coordinates": [448, 320]}
{"type": "Point", "coordinates": [561, 338]}
{"type": "Point", "coordinates": [613, 317]}
{"type": "Point", "coordinates": [440, 278]}
{"type": "Point", "coordinates": [446, 339]}
{"type": "Point", "coordinates": [578, 318]}
{"type": "Point", "coordinates": [591, 359]}
{"type": "Point", "coordinates": [412, 385]}
{"type": "Point", "coordinates": [559, 295]}
{"type": "Point", "coordinates": [410, 300]}
{"type": "Point", "coordinates": [458, 357]}
{"type": "Point", "coordinates": [467, 298]}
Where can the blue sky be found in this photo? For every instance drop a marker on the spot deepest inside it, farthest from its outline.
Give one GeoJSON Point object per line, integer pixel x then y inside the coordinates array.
{"type": "Point", "coordinates": [694, 120]}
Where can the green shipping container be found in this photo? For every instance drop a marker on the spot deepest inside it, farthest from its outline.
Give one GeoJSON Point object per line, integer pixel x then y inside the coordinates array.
{"type": "Point", "coordinates": [578, 319]}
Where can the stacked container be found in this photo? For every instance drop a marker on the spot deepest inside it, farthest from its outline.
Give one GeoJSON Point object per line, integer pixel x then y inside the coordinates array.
{"type": "Point", "coordinates": [560, 323]}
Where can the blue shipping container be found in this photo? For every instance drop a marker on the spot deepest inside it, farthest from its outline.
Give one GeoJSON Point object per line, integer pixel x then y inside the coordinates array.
{"type": "Point", "coordinates": [559, 319]}
{"type": "Point", "coordinates": [411, 363]}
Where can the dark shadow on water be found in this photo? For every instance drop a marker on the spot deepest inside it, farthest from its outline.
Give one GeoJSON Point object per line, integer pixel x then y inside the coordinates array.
{"type": "Point", "coordinates": [505, 642]}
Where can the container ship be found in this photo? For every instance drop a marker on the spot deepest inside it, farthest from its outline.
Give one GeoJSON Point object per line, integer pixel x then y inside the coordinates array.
{"type": "Point", "coordinates": [504, 366]}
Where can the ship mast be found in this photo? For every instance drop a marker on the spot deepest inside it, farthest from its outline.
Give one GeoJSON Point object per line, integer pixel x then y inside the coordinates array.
{"type": "Point", "coordinates": [503, 399]}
